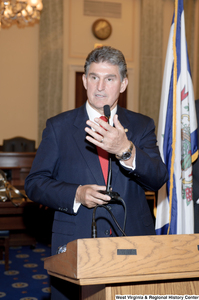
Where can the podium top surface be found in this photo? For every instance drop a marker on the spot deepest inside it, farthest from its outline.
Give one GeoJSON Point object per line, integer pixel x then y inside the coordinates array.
{"type": "Point", "coordinates": [125, 259]}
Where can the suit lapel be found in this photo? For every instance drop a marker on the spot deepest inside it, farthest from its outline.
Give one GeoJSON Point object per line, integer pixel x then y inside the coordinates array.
{"type": "Point", "coordinates": [88, 150]}
{"type": "Point", "coordinates": [123, 119]}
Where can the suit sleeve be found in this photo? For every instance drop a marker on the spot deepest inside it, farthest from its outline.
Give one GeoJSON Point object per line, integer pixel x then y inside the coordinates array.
{"type": "Point", "coordinates": [150, 172]}
{"type": "Point", "coordinates": [42, 185]}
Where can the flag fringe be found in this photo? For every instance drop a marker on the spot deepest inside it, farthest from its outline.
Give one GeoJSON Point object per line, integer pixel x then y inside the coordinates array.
{"type": "Point", "coordinates": [194, 156]}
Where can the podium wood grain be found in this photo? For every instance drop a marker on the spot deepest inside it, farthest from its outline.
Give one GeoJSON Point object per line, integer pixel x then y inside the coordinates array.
{"type": "Point", "coordinates": [163, 256]}
{"type": "Point", "coordinates": [156, 265]}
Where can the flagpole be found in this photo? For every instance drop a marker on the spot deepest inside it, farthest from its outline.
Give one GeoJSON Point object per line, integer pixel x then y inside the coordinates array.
{"type": "Point", "coordinates": [174, 113]}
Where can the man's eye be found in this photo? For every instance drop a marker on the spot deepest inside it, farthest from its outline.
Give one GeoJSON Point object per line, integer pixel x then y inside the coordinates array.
{"type": "Point", "coordinates": [110, 79]}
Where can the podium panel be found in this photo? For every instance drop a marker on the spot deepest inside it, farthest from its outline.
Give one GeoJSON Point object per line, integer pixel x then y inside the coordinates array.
{"type": "Point", "coordinates": [171, 287]}
{"type": "Point", "coordinates": [144, 265]}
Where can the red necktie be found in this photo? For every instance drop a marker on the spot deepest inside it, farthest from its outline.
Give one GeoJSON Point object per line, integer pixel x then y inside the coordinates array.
{"type": "Point", "coordinates": [103, 157]}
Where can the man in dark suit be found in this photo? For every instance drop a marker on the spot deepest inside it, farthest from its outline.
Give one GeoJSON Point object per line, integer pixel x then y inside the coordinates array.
{"type": "Point", "coordinates": [66, 174]}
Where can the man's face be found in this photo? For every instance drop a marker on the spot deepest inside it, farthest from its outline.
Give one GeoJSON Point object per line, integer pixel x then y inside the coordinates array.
{"type": "Point", "coordinates": [103, 85]}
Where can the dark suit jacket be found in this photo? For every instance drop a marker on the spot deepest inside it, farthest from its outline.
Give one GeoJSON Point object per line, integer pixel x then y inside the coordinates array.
{"type": "Point", "coordinates": [65, 160]}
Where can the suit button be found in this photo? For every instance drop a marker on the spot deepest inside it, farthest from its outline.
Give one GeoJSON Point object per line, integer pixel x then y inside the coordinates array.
{"type": "Point", "coordinates": [107, 232]}
{"type": "Point", "coordinates": [62, 209]}
{"type": "Point", "coordinates": [136, 175]}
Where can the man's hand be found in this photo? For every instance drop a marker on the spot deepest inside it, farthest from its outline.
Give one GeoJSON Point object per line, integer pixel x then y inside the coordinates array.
{"type": "Point", "coordinates": [89, 195]}
{"type": "Point", "coordinates": [112, 139]}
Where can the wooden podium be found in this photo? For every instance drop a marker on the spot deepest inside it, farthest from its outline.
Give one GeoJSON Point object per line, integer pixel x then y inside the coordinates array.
{"type": "Point", "coordinates": [143, 265]}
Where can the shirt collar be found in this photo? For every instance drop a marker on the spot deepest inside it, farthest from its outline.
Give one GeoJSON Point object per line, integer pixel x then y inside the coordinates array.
{"type": "Point", "coordinates": [92, 113]}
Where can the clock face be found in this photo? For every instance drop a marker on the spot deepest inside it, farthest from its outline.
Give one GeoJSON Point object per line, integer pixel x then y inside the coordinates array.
{"type": "Point", "coordinates": [101, 29]}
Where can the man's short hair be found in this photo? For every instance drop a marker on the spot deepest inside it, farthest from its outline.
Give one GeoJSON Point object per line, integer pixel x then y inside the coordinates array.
{"type": "Point", "coordinates": [109, 55]}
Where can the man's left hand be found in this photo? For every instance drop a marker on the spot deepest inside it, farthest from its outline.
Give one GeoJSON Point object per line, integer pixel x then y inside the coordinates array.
{"type": "Point", "coordinates": [112, 139]}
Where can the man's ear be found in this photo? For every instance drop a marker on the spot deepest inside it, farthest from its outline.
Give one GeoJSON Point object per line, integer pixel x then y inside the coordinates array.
{"type": "Point", "coordinates": [84, 81]}
{"type": "Point", "coordinates": [124, 85]}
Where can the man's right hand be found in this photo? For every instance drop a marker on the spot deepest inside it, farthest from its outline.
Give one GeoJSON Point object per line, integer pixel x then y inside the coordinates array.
{"type": "Point", "coordinates": [89, 195]}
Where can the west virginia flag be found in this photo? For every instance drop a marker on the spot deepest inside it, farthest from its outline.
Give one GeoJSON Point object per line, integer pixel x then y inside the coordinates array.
{"type": "Point", "coordinates": [177, 134]}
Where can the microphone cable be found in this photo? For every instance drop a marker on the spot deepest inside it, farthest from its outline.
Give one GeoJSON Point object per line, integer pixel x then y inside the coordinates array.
{"type": "Point", "coordinates": [94, 226]}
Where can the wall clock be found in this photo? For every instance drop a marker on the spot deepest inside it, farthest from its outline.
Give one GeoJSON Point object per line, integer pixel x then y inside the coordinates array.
{"type": "Point", "coordinates": [101, 29]}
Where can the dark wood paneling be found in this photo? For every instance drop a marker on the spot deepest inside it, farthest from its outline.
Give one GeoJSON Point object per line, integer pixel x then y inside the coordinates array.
{"type": "Point", "coordinates": [17, 166]}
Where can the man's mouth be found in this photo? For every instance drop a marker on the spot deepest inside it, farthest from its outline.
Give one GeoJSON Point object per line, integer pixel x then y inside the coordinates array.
{"type": "Point", "coordinates": [99, 96]}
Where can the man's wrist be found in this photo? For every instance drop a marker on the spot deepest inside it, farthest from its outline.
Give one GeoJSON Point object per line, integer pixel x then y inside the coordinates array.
{"type": "Point", "coordinates": [126, 154]}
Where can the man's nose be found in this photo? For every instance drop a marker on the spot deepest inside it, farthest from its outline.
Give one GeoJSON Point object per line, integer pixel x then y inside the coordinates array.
{"type": "Point", "coordinates": [101, 85]}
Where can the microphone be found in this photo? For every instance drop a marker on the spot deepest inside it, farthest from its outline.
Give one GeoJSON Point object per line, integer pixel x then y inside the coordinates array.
{"type": "Point", "coordinates": [113, 195]}
{"type": "Point", "coordinates": [107, 112]}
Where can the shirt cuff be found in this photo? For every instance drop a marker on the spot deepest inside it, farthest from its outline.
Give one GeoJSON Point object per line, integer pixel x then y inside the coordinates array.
{"type": "Point", "coordinates": [76, 206]}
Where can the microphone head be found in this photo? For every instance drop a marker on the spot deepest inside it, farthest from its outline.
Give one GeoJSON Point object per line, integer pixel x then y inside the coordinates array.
{"type": "Point", "coordinates": [107, 111]}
